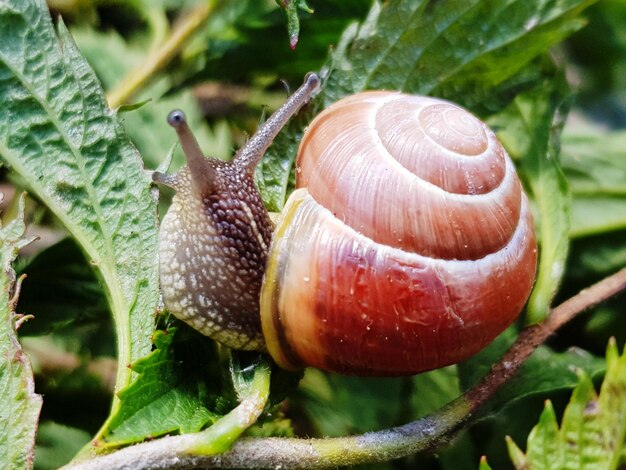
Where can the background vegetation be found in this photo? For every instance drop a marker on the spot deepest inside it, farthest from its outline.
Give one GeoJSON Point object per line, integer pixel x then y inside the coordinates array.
{"type": "Point", "coordinates": [548, 76]}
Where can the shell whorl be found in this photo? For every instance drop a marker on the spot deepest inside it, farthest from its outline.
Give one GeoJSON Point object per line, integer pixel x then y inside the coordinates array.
{"type": "Point", "coordinates": [412, 172]}
{"type": "Point", "coordinates": [410, 246]}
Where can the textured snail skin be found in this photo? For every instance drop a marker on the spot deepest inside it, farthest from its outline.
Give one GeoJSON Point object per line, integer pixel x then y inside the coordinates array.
{"type": "Point", "coordinates": [411, 248]}
{"type": "Point", "coordinates": [214, 238]}
{"type": "Point", "coordinates": [212, 253]}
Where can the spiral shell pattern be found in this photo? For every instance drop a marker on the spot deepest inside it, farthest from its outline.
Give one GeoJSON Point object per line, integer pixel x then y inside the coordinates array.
{"type": "Point", "coordinates": [411, 248]}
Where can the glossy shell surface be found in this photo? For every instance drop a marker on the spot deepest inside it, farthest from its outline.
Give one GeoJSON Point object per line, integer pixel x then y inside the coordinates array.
{"type": "Point", "coordinates": [411, 248]}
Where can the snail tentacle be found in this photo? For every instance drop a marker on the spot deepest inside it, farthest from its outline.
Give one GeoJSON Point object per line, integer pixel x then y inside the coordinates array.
{"type": "Point", "coordinates": [202, 174]}
{"type": "Point", "coordinates": [250, 155]}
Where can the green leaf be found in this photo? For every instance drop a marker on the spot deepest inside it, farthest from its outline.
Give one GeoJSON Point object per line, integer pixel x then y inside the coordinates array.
{"type": "Point", "coordinates": [57, 133]}
{"type": "Point", "coordinates": [62, 292]}
{"type": "Point", "coordinates": [588, 220]}
{"type": "Point", "coordinates": [434, 389]}
{"type": "Point", "coordinates": [597, 255]}
{"type": "Point", "coordinates": [245, 41]}
{"type": "Point", "coordinates": [273, 174]}
{"type": "Point", "coordinates": [602, 79]}
{"type": "Point", "coordinates": [57, 444]}
{"type": "Point", "coordinates": [594, 162]}
{"type": "Point", "coordinates": [338, 405]}
{"type": "Point", "coordinates": [77, 387]}
{"type": "Point", "coordinates": [529, 128]}
{"type": "Point", "coordinates": [543, 448]}
{"type": "Point", "coordinates": [437, 48]}
{"type": "Point", "coordinates": [112, 57]}
{"type": "Point", "coordinates": [517, 455]}
{"type": "Point", "coordinates": [593, 427]}
{"type": "Point", "coordinates": [178, 389]}
{"type": "Point", "coordinates": [291, 8]}
{"type": "Point", "coordinates": [19, 404]}
{"type": "Point", "coordinates": [545, 371]}
{"type": "Point", "coordinates": [483, 464]}
{"type": "Point", "coordinates": [611, 409]}
{"type": "Point", "coordinates": [181, 388]}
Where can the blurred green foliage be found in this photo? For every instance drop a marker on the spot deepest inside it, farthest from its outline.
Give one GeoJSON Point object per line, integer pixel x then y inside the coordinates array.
{"type": "Point", "coordinates": [592, 432]}
{"type": "Point", "coordinates": [480, 54]}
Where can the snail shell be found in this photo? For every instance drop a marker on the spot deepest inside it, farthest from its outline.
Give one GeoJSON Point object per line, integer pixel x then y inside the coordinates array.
{"type": "Point", "coordinates": [409, 248]}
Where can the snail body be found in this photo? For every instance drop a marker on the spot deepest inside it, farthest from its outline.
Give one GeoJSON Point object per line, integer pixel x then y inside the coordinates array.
{"type": "Point", "coordinates": [409, 245]}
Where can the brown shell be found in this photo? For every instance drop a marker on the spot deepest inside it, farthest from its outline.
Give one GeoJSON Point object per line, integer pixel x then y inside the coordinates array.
{"type": "Point", "coordinates": [412, 247]}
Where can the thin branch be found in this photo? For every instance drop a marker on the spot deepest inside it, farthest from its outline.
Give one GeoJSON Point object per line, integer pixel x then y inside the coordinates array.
{"type": "Point", "coordinates": [533, 336]}
{"type": "Point", "coordinates": [423, 434]}
{"type": "Point", "coordinates": [160, 56]}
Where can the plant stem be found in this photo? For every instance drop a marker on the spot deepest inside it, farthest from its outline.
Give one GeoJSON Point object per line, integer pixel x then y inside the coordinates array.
{"type": "Point", "coordinates": [423, 434]}
{"type": "Point", "coordinates": [221, 435]}
{"type": "Point", "coordinates": [161, 55]}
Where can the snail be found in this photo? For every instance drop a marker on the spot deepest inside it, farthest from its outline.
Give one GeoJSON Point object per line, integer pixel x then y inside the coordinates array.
{"type": "Point", "coordinates": [408, 245]}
